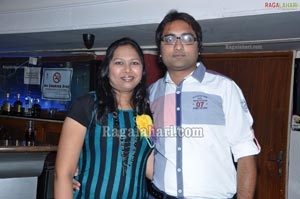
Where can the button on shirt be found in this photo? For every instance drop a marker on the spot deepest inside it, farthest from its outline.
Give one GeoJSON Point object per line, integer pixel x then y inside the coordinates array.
{"type": "Point", "coordinates": [200, 124]}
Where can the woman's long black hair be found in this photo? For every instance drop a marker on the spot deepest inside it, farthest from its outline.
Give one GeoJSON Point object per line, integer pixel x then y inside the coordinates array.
{"type": "Point", "coordinates": [106, 98]}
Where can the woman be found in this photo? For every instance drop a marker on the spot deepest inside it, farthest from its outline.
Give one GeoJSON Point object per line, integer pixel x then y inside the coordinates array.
{"type": "Point", "coordinates": [99, 135]}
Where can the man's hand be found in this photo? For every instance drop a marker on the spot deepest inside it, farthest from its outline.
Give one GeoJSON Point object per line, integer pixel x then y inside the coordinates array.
{"type": "Point", "coordinates": [76, 184]}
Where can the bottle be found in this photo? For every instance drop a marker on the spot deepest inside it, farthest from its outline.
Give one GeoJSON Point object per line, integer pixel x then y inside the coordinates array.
{"type": "Point", "coordinates": [36, 108]}
{"type": "Point", "coordinates": [6, 107]}
{"type": "Point", "coordinates": [30, 133]}
{"type": "Point", "coordinates": [3, 134]}
{"type": "Point", "coordinates": [18, 106]}
{"type": "Point", "coordinates": [28, 106]}
{"type": "Point", "coordinates": [4, 137]}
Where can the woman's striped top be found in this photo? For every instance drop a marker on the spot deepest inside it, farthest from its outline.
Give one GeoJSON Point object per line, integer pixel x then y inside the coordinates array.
{"type": "Point", "coordinates": [113, 159]}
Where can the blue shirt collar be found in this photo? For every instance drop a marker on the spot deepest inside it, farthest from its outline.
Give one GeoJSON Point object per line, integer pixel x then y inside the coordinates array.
{"type": "Point", "coordinates": [198, 74]}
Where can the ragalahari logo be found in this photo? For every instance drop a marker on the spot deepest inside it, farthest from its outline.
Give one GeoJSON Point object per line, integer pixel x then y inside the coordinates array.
{"type": "Point", "coordinates": [282, 5]}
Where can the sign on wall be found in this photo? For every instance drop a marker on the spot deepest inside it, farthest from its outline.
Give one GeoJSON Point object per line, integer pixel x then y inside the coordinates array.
{"type": "Point", "coordinates": [32, 75]}
{"type": "Point", "coordinates": [56, 84]}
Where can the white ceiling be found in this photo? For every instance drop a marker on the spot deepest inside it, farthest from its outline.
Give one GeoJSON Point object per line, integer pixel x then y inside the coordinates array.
{"type": "Point", "coordinates": [260, 32]}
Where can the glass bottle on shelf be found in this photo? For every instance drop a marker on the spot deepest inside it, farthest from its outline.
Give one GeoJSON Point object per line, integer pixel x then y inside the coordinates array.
{"type": "Point", "coordinates": [18, 106]}
{"type": "Point", "coordinates": [28, 106]}
{"type": "Point", "coordinates": [30, 133]}
{"type": "Point", "coordinates": [6, 107]}
{"type": "Point", "coordinates": [3, 134]}
{"type": "Point", "coordinates": [36, 108]}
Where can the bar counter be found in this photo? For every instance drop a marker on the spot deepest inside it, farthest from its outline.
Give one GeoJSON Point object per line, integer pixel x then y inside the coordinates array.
{"type": "Point", "coordinates": [47, 130]}
{"type": "Point", "coordinates": [21, 148]}
{"type": "Point", "coordinates": [20, 167]}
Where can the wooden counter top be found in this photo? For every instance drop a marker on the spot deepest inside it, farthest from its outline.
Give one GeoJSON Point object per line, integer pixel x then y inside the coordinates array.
{"type": "Point", "coordinates": [27, 148]}
{"type": "Point", "coordinates": [10, 146]}
{"type": "Point", "coordinates": [58, 119]}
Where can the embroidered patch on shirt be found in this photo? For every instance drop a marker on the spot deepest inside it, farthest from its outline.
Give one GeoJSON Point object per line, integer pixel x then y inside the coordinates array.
{"type": "Point", "coordinates": [202, 108]}
{"type": "Point", "coordinates": [200, 102]}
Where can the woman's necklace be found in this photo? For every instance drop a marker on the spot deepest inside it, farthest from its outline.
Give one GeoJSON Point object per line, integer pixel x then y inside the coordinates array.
{"type": "Point", "coordinates": [127, 147]}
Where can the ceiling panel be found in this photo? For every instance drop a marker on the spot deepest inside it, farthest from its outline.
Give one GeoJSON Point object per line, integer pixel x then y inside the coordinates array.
{"type": "Point", "coordinates": [279, 31]}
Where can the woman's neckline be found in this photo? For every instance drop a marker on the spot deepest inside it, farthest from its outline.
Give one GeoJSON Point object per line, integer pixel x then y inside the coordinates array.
{"type": "Point", "coordinates": [125, 110]}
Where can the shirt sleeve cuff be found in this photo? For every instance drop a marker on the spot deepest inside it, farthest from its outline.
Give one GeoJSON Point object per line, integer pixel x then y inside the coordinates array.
{"type": "Point", "coordinates": [245, 149]}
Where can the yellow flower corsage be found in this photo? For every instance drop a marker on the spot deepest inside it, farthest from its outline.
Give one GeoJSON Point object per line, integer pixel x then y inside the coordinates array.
{"type": "Point", "coordinates": [146, 128]}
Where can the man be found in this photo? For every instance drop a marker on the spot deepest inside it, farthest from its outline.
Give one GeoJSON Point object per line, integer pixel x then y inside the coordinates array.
{"type": "Point", "coordinates": [202, 122]}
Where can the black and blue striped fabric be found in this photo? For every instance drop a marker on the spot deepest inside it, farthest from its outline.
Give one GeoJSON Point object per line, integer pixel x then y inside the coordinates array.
{"type": "Point", "coordinates": [113, 159]}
